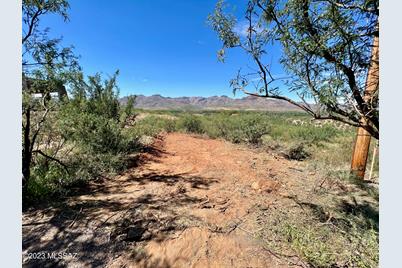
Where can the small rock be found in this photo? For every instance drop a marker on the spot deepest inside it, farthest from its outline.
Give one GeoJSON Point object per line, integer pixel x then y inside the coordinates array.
{"type": "Point", "coordinates": [146, 140]}
{"type": "Point", "coordinates": [265, 185]}
{"type": "Point", "coordinates": [255, 185]}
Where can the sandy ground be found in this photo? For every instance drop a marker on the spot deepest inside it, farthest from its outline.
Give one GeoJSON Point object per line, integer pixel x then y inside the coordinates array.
{"type": "Point", "coordinates": [189, 202]}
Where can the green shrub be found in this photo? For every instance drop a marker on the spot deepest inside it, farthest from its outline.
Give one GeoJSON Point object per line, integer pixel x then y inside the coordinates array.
{"type": "Point", "coordinates": [252, 127]}
{"type": "Point", "coordinates": [297, 152]}
{"type": "Point", "coordinates": [237, 128]}
{"type": "Point", "coordinates": [191, 123]}
{"type": "Point", "coordinates": [270, 142]}
{"type": "Point", "coordinates": [93, 140]}
{"type": "Point", "coordinates": [97, 165]}
{"type": "Point", "coordinates": [151, 126]}
{"type": "Point", "coordinates": [305, 133]}
{"type": "Point", "coordinates": [128, 114]}
{"type": "Point", "coordinates": [47, 179]}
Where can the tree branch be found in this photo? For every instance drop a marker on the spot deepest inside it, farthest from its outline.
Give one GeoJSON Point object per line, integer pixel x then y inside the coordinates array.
{"type": "Point", "coordinates": [53, 159]}
{"type": "Point", "coordinates": [31, 24]}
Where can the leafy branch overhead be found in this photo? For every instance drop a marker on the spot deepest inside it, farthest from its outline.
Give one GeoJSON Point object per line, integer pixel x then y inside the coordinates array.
{"type": "Point", "coordinates": [40, 53]}
{"type": "Point", "coordinates": [326, 45]}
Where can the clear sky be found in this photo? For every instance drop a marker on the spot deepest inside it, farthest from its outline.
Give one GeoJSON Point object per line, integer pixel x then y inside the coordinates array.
{"type": "Point", "coordinates": [160, 46]}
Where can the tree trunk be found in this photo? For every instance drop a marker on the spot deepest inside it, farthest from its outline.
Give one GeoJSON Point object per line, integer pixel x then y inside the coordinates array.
{"type": "Point", "coordinates": [26, 151]}
{"type": "Point", "coordinates": [363, 138]}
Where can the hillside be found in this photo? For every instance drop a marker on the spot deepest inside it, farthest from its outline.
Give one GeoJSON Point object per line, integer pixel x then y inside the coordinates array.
{"type": "Point", "coordinates": [213, 103]}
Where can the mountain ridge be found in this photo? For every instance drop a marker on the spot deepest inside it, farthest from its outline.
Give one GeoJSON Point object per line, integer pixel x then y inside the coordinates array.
{"type": "Point", "coordinates": [159, 102]}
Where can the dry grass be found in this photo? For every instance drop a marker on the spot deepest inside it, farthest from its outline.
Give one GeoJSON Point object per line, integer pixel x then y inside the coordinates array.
{"type": "Point", "coordinates": [330, 219]}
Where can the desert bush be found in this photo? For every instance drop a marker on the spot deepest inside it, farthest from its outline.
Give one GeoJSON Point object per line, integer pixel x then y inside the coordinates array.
{"type": "Point", "coordinates": [190, 123]}
{"type": "Point", "coordinates": [94, 133]}
{"type": "Point", "coordinates": [47, 180]}
{"type": "Point", "coordinates": [90, 140]}
{"type": "Point", "coordinates": [251, 128]}
{"type": "Point", "coordinates": [151, 126]}
{"type": "Point", "coordinates": [306, 133]}
{"type": "Point", "coordinates": [237, 128]}
{"type": "Point", "coordinates": [297, 152]}
{"type": "Point", "coordinates": [97, 165]}
{"type": "Point", "coordinates": [128, 114]}
{"type": "Point", "coordinates": [270, 142]}
{"type": "Point", "coordinates": [91, 119]}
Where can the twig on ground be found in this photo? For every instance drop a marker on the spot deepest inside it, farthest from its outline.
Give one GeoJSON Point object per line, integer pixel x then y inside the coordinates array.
{"type": "Point", "coordinates": [281, 256]}
{"type": "Point", "coordinates": [75, 218]}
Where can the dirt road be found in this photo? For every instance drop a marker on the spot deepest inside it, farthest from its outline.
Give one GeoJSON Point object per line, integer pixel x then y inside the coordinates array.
{"type": "Point", "coordinates": [190, 202]}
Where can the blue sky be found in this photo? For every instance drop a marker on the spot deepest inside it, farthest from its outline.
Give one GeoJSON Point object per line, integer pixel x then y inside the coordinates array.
{"type": "Point", "coordinates": [160, 47]}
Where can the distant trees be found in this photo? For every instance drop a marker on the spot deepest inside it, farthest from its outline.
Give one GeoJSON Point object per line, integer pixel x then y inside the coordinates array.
{"type": "Point", "coordinates": [326, 46]}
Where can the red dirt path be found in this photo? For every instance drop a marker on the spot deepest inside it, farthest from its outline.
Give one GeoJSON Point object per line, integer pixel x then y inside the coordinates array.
{"type": "Point", "coordinates": [190, 202]}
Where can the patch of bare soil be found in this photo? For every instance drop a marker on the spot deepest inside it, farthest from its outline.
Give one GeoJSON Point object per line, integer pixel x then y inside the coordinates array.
{"type": "Point", "coordinates": [190, 202]}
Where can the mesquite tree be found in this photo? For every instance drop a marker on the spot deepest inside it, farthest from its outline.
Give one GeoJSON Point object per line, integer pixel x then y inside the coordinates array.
{"type": "Point", "coordinates": [326, 51]}
{"type": "Point", "coordinates": [45, 66]}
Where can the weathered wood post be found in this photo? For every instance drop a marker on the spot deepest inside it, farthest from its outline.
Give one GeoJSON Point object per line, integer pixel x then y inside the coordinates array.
{"type": "Point", "coordinates": [363, 138]}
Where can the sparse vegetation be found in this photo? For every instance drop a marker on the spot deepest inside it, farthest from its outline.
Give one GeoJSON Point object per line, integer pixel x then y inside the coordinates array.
{"type": "Point", "coordinates": [85, 137]}
{"type": "Point", "coordinates": [332, 224]}
{"type": "Point", "coordinates": [335, 221]}
{"type": "Point", "coordinates": [190, 123]}
{"type": "Point", "coordinates": [280, 131]}
{"type": "Point", "coordinates": [145, 175]}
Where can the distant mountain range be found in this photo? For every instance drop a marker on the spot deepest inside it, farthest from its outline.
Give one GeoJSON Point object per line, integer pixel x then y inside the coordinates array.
{"type": "Point", "coordinates": [158, 102]}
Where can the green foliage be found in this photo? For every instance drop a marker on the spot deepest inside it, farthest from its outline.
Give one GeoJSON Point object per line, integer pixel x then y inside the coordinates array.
{"type": "Point", "coordinates": [46, 66]}
{"type": "Point", "coordinates": [96, 97]}
{"type": "Point", "coordinates": [242, 127]}
{"type": "Point", "coordinates": [324, 52]}
{"type": "Point", "coordinates": [47, 180]}
{"type": "Point", "coordinates": [237, 128]}
{"type": "Point", "coordinates": [224, 26]}
{"type": "Point", "coordinates": [66, 141]}
{"type": "Point", "coordinates": [128, 112]}
{"type": "Point", "coordinates": [297, 152]}
{"type": "Point", "coordinates": [320, 247]}
{"type": "Point", "coordinates": [92, 118]}
{"type": "Point", "coordinates": [190, 123]}
{"type": "Point", "coordinates": [333, 226]}
{"type": "Point", "coordinates": [151, 126]}
{"type": "Point", "coordinates": [93, 132]}
{"type": "Point", "coordinates": [88, 166]}
{"type": "Point", "coordinates": [44, 57]}
{"type": "Point", "coordinates": [92, 141]}
{"type": "Point", "coordinates": [308, 133]}
{"type": "Point", "coordinates": [311, 244]}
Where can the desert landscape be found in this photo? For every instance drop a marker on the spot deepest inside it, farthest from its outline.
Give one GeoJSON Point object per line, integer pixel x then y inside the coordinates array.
{"type": "Point", "coordinates": [233, 134]}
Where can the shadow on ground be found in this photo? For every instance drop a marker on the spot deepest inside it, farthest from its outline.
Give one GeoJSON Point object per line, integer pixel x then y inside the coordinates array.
{"type": "Point", "coordinates": [100, 230]}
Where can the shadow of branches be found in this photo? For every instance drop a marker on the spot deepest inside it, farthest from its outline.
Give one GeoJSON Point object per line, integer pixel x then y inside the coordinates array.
{"type": "Point", "coordinates": [99, 227]}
